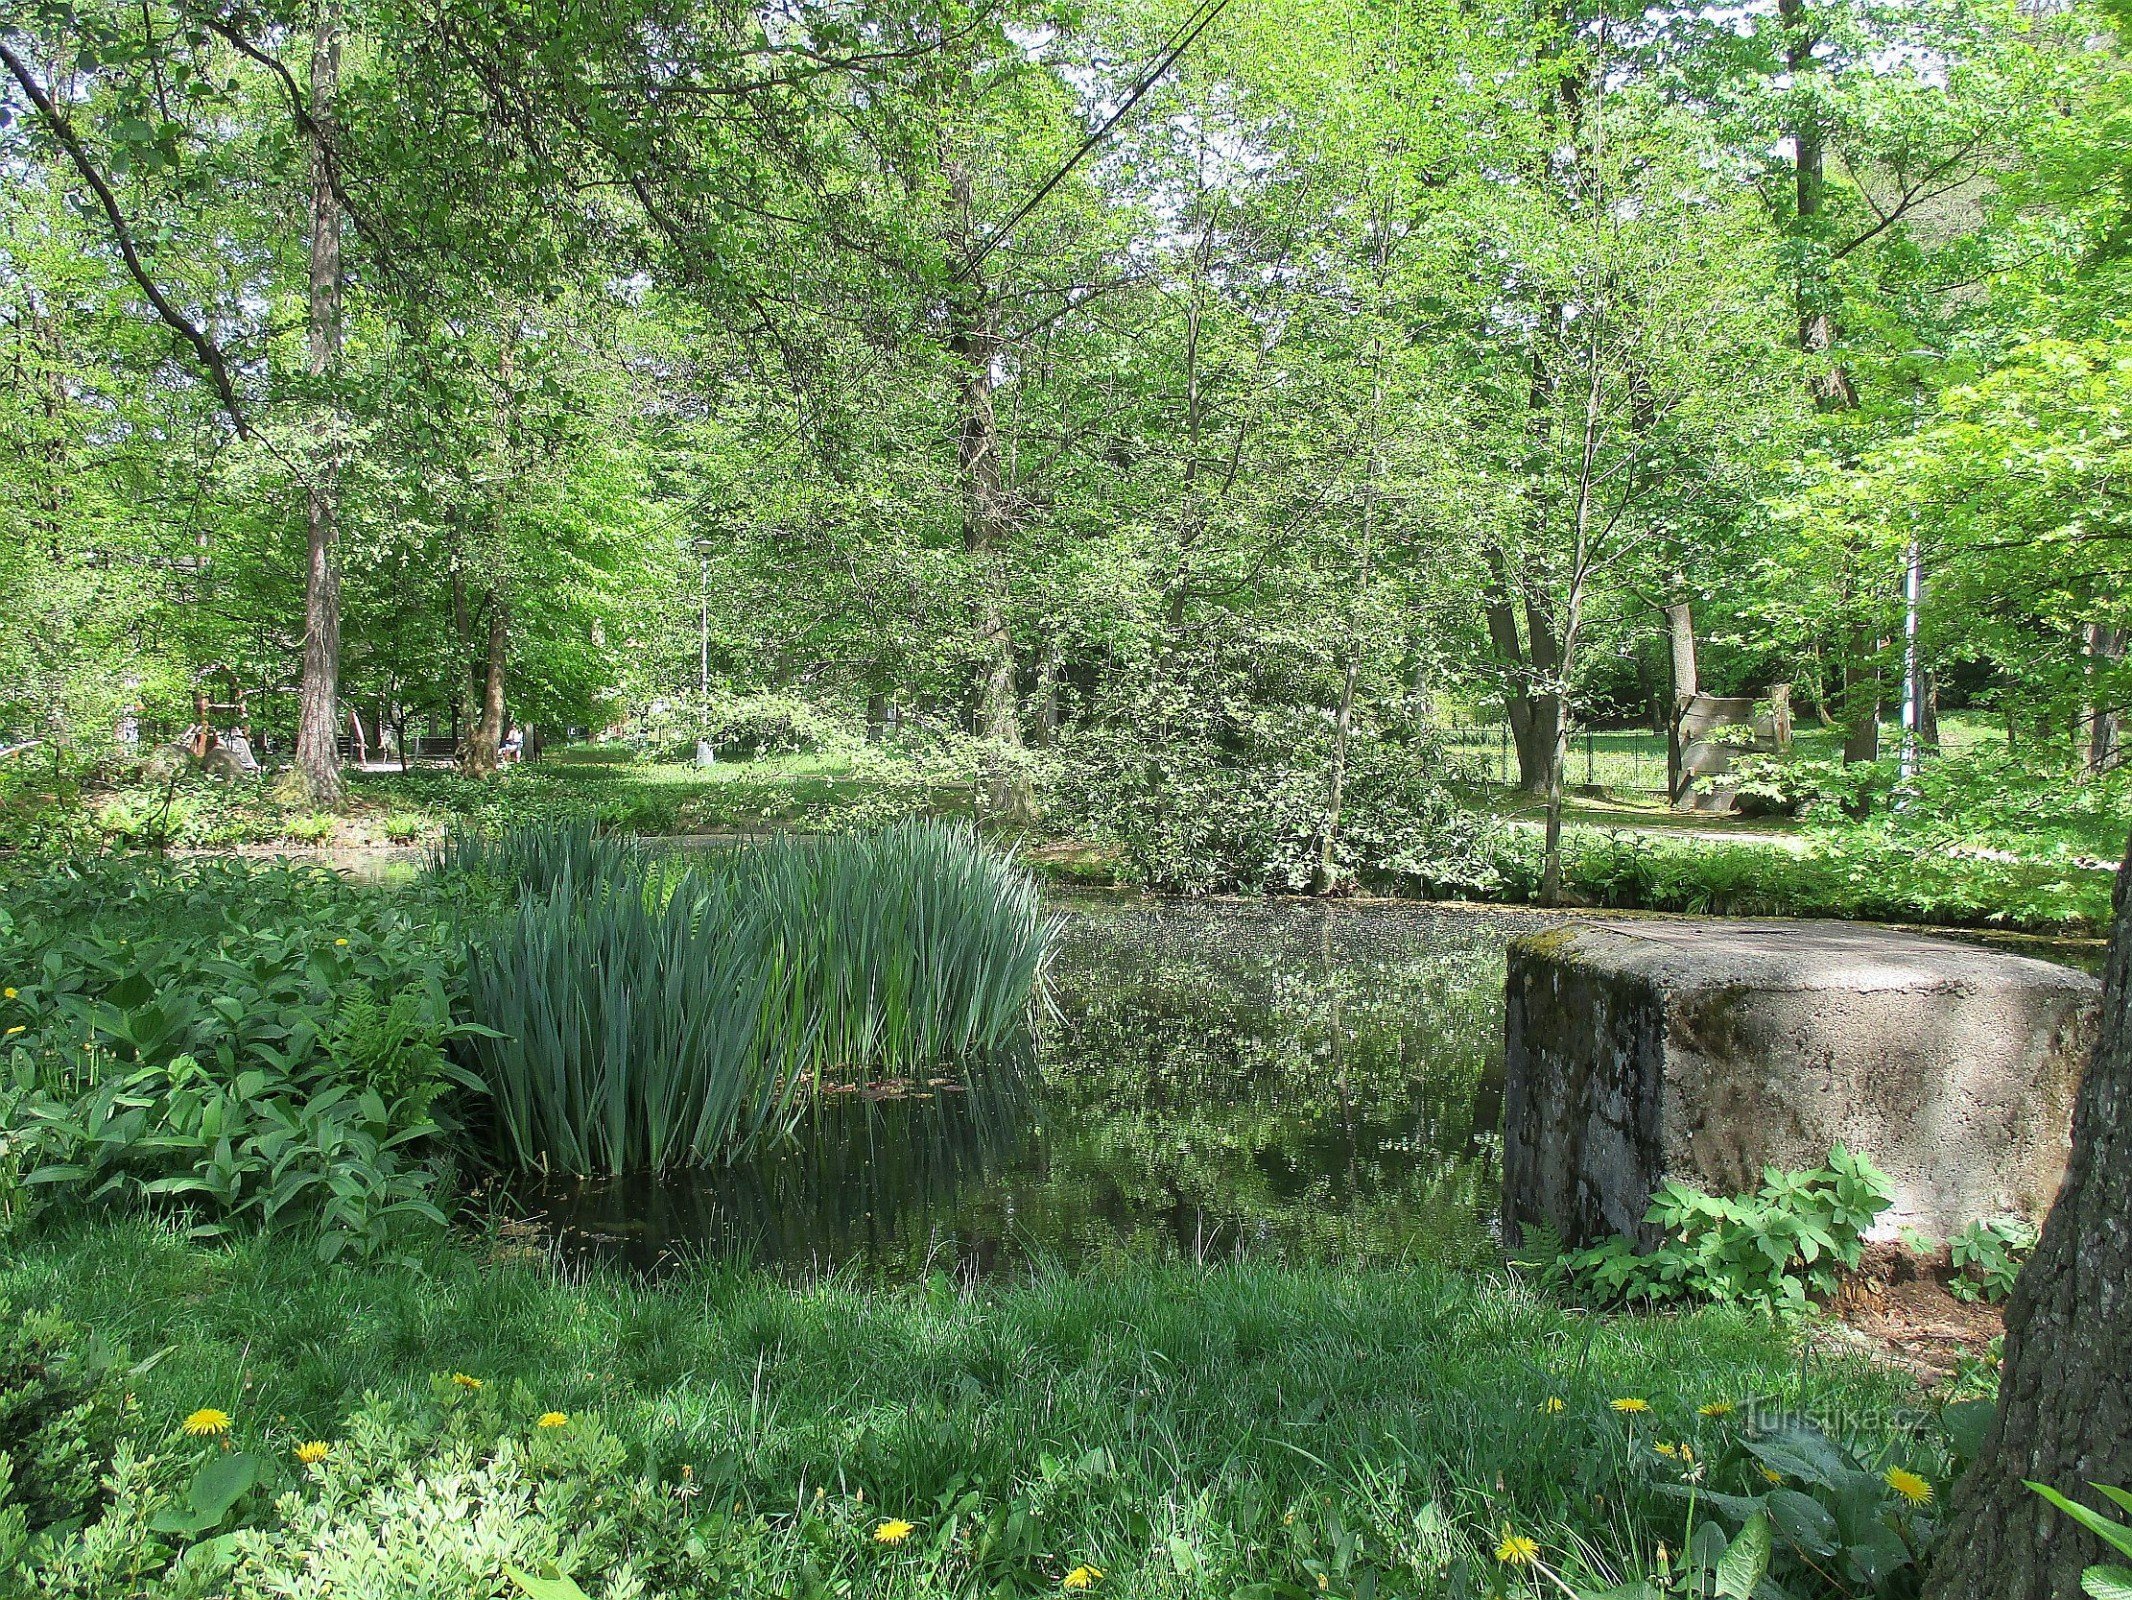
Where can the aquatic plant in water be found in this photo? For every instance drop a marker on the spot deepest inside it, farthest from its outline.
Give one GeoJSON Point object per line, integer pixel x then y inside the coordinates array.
{"type": "Point", "coordinates": [648, 1016]}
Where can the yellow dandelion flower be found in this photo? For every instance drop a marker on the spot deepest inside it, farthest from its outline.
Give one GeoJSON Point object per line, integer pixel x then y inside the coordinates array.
{"type": "Point", "coordinates": [1516, 1550]}
{"type": "Point", "coordinates": [465, 1382]}
{"type": "Point", "coordinates": [341, 942]}
{"type": "Point", "coordinates": [9, 993]}
{"type": "Point", "coordinates": [1716, 1408]}
{"type": "Point", "coordinates": [1670, 1451]}
{"type": "Point", "coordinates": [1909, 1485]}
{"type": "Point", "coordinates": [1772, 1475]}
{"type": "Point", "coordinates": [17, 1028]}
{"type": "Point", "coordinates": [313, 1451]}
{"type": "Point", "coordinates": [1082, 1577]}
{"type": "Point", "coordinates": [1553, 1405]}
{"type": "Point", "coordinates": [1630, 1406]}
{"type": "Point", "coordinates": [206, 1423]}
{"type": "Point", "coordinates": [894, 1531]}
{"type": "Point", "coordinates": [551, 1419]}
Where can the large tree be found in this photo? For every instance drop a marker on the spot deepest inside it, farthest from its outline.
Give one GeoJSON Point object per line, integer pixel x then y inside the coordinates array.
{"type": "Point", "coordinates": [2065, 1403]}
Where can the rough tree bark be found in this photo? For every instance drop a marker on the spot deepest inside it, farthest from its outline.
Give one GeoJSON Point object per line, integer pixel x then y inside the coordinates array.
{"type": "Point", "coordinates": [2065, 1405]}
{"type": "Point", "coordinates": [318, 719]}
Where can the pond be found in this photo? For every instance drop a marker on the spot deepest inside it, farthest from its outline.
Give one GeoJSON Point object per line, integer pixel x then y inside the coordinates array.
{"type": "Point", "coordinates": [1217, 1080]}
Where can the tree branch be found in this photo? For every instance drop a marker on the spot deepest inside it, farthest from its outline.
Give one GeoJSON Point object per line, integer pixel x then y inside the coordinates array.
{"type": "Point", "coordinates": [209, 353]}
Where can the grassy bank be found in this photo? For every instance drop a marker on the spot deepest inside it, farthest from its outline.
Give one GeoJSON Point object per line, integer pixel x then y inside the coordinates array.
{"type": "Point", "coordinates": [1980, 846]}
{"type": "Point", "coordinates": [1187, 1432]}
{"type": "Point", "coordinates": [38, 809]}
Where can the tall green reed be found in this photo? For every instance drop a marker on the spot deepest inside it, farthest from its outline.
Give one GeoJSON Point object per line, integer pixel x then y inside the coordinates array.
{"type": "Point", "coordinates": [651, 1015]}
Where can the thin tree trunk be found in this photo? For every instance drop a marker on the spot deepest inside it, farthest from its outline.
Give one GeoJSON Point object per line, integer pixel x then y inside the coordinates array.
{"type": "Point", "coordinates": [1812, 292]}
{"type": "Point", "coordinates": [1327, 875]}
{"type": "Point", "coordinates": [1045, 731]}
{"type": "Point", "coordinates": [318, 719]}
{"type": "Point", "coordinates": [2105, 652]}
{"type": "Point", "coordinates": [973, 339]}
{"type": "Point", "coordinates": [485, 740]}
{"type": "Point", "coordinates": [1558, 754]}
{"type": "Point", "coordinates": [1680, 636]}
{"type": "Point", "coordinates": [2065, 1405]}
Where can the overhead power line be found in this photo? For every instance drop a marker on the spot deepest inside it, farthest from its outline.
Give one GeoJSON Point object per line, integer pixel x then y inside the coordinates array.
{"type": "Point", "coordinates": [1179, 42]}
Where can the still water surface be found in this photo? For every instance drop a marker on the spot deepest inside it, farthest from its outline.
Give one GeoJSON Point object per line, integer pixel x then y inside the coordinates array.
{"type": "Point", "coordinates": [1316, 1081]}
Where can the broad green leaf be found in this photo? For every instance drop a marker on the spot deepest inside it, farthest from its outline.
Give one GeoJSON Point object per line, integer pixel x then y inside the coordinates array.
{"type": "Point", "coordinates": [1746, 1560]}
{"type": "Point", "coordinates": [555, 1588]}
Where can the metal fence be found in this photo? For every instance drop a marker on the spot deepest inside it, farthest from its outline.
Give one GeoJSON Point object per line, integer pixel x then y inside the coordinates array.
{"type": "Point", "coordinates": [1625, 759]}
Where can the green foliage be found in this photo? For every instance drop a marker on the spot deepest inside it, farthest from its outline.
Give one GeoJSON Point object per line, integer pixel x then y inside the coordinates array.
{"type": "Point", "coordinates": [2105, 1580]}
{"type": "Point", "coordinates": [229, 1042]}
{"type": "Point", "coordinates": [1988, 1255]}
{"type": "Point", "coordinates": [1775, 1249]}
{"type": "Point", "coordinates": [1853, 872]}
{"type": "Point", "coordinates": [640, 1017]}
{"type": "Point", "coordinates": [62, 1407]}
{"type": "Point", "coordinates": [745, 727]}
{"type": "Point", "coordinates": [1248, 815]}
{"type": "Point", "coordinates": [1814, 1515]}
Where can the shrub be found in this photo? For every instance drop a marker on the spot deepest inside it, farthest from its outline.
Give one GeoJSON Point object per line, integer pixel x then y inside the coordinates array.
{"type": "Point", "coordinates": [62, 1403]}
{"type": "Point", "coordinates": [642, 1016]}
{"type": "Point", "coordinates": [1246, 813]}
{"type": "Point", "coordinates": [1809, 1514]}
{"type": "Point", "coordinates": [1774, 1248]}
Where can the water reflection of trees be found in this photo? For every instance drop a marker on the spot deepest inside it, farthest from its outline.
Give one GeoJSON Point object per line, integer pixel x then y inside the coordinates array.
{"type": "Point", "coordinates": [1280, 1078]}
{"type": "Point", "coordinates": [1302, 1081]}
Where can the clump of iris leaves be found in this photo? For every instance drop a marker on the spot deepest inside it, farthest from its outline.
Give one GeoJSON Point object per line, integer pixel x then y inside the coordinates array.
{"type": "Point", "coordinates": [267, 1044]}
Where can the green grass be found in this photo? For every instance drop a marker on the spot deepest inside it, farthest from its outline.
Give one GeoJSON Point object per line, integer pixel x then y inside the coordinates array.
{"type": "Point", "coordinates": [1188, 1431]}
{"type": "Point", "coordinates": [1632, 761]}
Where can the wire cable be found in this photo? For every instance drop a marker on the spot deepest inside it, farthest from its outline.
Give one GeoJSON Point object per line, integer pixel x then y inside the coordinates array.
{"type": "Point", "coordinates": [1179, 42]}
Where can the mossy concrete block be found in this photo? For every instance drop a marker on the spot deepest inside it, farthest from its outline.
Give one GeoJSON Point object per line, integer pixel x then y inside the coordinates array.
{"type": "Point", "coordinates": [1703, 1051]}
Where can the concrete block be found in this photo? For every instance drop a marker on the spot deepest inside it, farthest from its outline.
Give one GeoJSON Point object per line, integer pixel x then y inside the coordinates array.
{"type": "Point", "coordinates": [1639, 1051]}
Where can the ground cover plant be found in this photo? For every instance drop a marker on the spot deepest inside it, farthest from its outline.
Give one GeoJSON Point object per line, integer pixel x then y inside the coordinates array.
{"type": "Point", "coordinates": [1785, 1245]}
{"type": "Point", "coordinates": [1180, 1431]}
{"type": "Point", "coordinates": [248, 1042]}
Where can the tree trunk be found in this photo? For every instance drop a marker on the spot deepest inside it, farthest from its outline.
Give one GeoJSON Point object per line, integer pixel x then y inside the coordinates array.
{"type": "Point", "coordinates": [1861, 701]}
{"type": "Point", "coordinates": [485, 740]}
{"type": "Point", "coordinates": [1534, 717]}
{"type": "Point", "coordinates": [1812, 292]}
{"type": "Point", "coordinates": [1328, 876]}
{"type": "Point", "coordinates": [1045, 731]}
{"type": "Point", "coordinates": [2106, 651]}
{"type": "Point", "coordinates": [2065, 1406]}
{"type": "Point", "coordinates": [1680, 635]}
{"type": "Point", "coordinates": [974, 341]}
{"type": "Point", "coordinates": [318, 718]}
